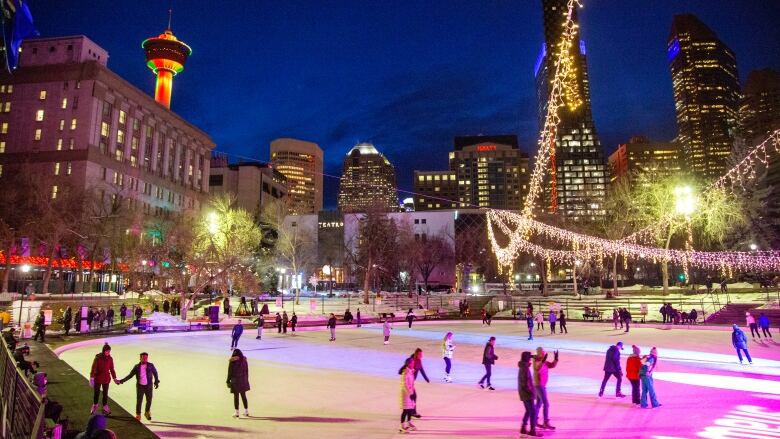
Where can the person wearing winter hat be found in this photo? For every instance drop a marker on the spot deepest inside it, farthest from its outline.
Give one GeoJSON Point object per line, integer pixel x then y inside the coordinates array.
{"type": "Point", "coordinates": [541, 375]}
{"type": "Point", "coordinates": [649, 362]}
{"type": "Point", "coordinates": [739, 341]}
{"type": "Point", "coordinates": [526, 391]}
{"type": "Point", "coordinates": [612, 367]}
{"type": "Point", "coordinates": [489, 358]}
{"type": "Point", "coordinates": [100, 377]}
{"type": "Point", "coordinates": [633, 364]}
{"type": "Point", "coordinates": [408, 396]}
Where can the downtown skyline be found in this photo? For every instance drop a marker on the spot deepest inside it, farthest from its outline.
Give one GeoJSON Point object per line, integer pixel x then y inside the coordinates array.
{"type": "Point", "coordinates": [407, 78]}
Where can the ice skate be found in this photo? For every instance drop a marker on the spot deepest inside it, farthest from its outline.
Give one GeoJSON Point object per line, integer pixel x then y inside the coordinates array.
{"type": "Point", "coordinates": [235, 415]}
{"type": "Point", "coordinates": [148, 415]}
{"type": "Point", "coordinates": [106, 410]}
{"type": "Point", "coordinates": [93, 409]}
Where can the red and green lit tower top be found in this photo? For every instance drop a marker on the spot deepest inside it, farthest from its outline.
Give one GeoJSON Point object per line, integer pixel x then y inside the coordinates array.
{"type": "Point", "coordinates": [165, 56]}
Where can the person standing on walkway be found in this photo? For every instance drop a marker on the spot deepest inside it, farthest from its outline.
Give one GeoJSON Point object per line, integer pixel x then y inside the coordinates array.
{"type": "Point", "coordinates": [612, 367]}
{"type": "Point", "coordinates": [226, 306]}
{"type": "Point", "coordinates": [278, 323]}
{"type": "Point", "coordinates": [529, 319]}
{"type": "Point", "coordinates": [260, 322]}
{"type": "Point", "coordinates": [552, 319]}
{"type": "Point", "coordinates": [110, 317]}
{"type": "Point", "coordinates": [739, 341]}
{"type": "Point", "coordinates": [386, 328]}
{"type": "Point", "coordinates": [293, 322]}
{"type": "Point", "coordinates": [627, 318]}
{"type": "Point", "coordinates": [408, 396]}
{"type": "Point", "coordinates": [526, 391]}
{"type": "Point", "coordinates": [539, 320]}
{"type": "Point", "coordinates": [541, 376]}
{"type": "Point", "coordinates": [40, 325]}
{"type": "Point", "coordinates": [122, 313]}
{"type": "Point", "coordinates": [332, 326]}
{"type": "Point", "coordinates": [562, 323]}
{"type": "Point", "coordinates": [238, 380]}
{"type": "Point", "coordinates": [751, 322]}
{"type": "Point", "coordinates": [447, 350]}
{"type": "Point", "coordinates": [616, 318]}
{"type": "Point", "coordinates": [484, 317]}
{"type": "Point", "coordinates": [143, 372]}
{"type": "Point", "coordinates": [633, 364]}
{"type": "Point", "coordinates": [763, 323]}
{"type": "Point", "coordinates": [67, 319]}
{"type": "Point", "coordinates": [646, 375]}
{"type": "Point", "coordinates": [285, 321]}
{"type": "Point", "coordinates": [359, 322]}
{"type": "Point", "coordinates": [100, 377]}
{"type": "Point", "coordinates": [663, 313]}
{"type": "Point", "coordinates": [410, 317]}
{"type": "Point", "coordinates": [489, 358]}
{"type": "Point", "coordinates": [138, 314]}
{"type": "Point", "coordinates": [236, 334]}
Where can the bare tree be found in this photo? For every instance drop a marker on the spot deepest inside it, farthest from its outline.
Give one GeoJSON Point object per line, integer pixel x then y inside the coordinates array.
{"type": "Point", "coordinates": [18, 213]}
{"type": "Point", "coordinates": [429, 253]}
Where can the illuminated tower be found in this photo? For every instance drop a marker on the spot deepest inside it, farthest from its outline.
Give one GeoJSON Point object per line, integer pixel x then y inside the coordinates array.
{"type": "Point", "coordinates": [166, 56]}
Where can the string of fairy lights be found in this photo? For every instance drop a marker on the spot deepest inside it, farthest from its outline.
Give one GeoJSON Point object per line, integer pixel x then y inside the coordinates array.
{"type": "Point", "coordinates": [519, 228]}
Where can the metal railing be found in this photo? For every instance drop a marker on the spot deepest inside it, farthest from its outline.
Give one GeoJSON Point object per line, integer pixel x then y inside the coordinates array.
{"type": "Point", "coordinates": [22, 407]}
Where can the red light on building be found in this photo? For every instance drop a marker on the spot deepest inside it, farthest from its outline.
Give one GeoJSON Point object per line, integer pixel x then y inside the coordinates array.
{"type": "Point", "coordinates": [485, 148]}
{"type": "Point", "coordinates": [165, 56]}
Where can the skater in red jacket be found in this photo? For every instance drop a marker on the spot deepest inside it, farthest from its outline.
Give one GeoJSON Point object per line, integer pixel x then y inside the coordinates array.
{"type": "Point", "coordinates": [100, 377]}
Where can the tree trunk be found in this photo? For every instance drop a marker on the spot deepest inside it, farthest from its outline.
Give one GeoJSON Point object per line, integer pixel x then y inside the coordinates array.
{"type": "Point", "coordinates": [7, 274]}
{"type": "Point", "coordinates": [367, 281]}
{"type": "Point", "coordinates": [79, 280]}
{"type": "Point", "coordinates": [47, 275]}
{"type": "Point", "coordinates": [614, 276]}
{"type": "Point", "coordinates": [665, 276]}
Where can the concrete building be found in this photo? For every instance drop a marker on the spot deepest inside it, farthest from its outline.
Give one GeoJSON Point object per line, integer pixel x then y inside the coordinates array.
{"type": "Point", "coordinates": [436, 190]}
{"type": "Point", "coordinates": [579, 186]}
{"type": "Point", "coordinates": [640, 155]}
{"type": "Point", "coordinates": [253, 184]}
{"type": "Point", "coordinates": [67, 115]}
{"type": "Point", "coordinates": [301, 163]}
{"type": "Point", "coordinates": [706, 95]}
{"type": "Point", "coordinates": [368, 181]}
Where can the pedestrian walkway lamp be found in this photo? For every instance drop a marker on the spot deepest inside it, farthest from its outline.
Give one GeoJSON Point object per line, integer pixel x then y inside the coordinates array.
{"type": "Point", "coordinates": [25, 269]}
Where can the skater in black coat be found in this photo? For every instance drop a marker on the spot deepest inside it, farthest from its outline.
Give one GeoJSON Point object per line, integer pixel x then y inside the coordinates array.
{"type": "Point", "coordinates": [238, 380]}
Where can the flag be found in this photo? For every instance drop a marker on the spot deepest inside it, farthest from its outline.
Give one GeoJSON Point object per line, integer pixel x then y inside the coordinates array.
{"type": "Point", "coordinates": [25, 251]}
{"type": "Point", "coordinates": [17, 26]}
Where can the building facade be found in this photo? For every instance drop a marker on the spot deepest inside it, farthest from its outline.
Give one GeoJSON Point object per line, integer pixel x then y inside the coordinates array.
{"type": "Point", "coordinates": [367, 182]}
{"type": "Point", "coordinates": [301, 163]}
{"type": "Point", "coordinates": [577, 191]}
{"type": "Point", "coordinates": [65, 114]}
{"type": "Point", "coordinates": [706, 95]}
{"type": "Point", "coordinates": [640, 155]}
{"type": "Point", "coordinates": [436, 190]}
{"type": "Point", "coordinates": [760, 106]}
{"type": "Point", "coordinates": [252, 184]}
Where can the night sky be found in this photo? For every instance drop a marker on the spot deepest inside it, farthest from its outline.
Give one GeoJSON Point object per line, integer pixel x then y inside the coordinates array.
{"type": "Point", "coordinates": [405, 75]}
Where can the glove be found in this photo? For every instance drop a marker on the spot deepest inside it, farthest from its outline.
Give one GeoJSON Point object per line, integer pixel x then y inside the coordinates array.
{"type": "Point", "coordinates": [556, 355]}
{"type": "Point", "coordinates": [157, 384]}
{"type": "Point", "coordinates": [92, 382]}
{"type": "Point", "coordinates": [117, 382]}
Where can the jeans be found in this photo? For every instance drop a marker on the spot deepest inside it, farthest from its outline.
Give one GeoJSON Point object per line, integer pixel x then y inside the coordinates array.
{"type": "Point", "coordinates": [530, 415]}
{"type": "Point", "coordinates": [617, 375]}
{"type": "Point", "coordinates": [634, 391]}
{"type": "Point", "coordinates": [488, 372]}
{"type": "Point", "coordinates": [243, 399]}
{"type": "Point", "coordinates": [563, 327]}
{"type": "Point", "coordinates": [552, 327]}
{"type": "Point", "coordinates": [541, 400]}
{"type": "Point", "coordinates": [96, 393]}
{"type": "Point", "coordinates": [447, 365]}
{"type": "Point", "coordinates": [332, 333]}
{"type": "Point", "coordinates": [530, 332]}
{"type": "Point", "coordinates": [259, 332]}
{"type": "Point", "coordinates": [628, 322]}
{"type": "Point", "coordinates": [140, 392]}
{"type": "Point", "coordinates": [648, 387]}
{"type": "Point", "coordinates": [754, 330]}
{"type": "Point", "coordinates": [234, 343]}
{"type": "Point", "coordinates": [747, 354]}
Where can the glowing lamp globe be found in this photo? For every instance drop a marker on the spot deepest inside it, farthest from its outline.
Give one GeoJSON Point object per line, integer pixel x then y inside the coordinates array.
{"type": "Point", "coordinates": [165, 56]}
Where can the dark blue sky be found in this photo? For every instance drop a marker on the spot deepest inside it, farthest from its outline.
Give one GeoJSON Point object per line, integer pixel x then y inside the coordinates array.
{"type": "Point", "coordinates": [406, 75]}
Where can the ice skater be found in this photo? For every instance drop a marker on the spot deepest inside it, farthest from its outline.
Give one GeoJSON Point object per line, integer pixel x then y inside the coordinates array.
{"type": "Point", "coordinates": [260, 322]}
{"type": "Point", "coordinates": [410, 317]}
{"type": "Point", "coordinates": [739, 341]}
{"type": "Point", "coordinates": [236, 334]}
{"type": "Point", "coordinates": [539, 320]}
{"type": "Point", "coordinates": [143, 372]}
{"type": "Point", "coordinates": [751, 322]}
{"type": "Point", "coordinates": [763, 323]}
{"type": "Point", "coordinates": [612, 367]}
{"type": "Point", "coordinates": [386, 328]}
{"type": "Point", "coordinates": [646, 376]}
{"type": "Point", "coordinates": [526, 391]}
{"type": "Point", "coordinates": [633, 364]}
{"type": "Point", "coordinates": [447, 350]}
{"type": "Point", "coordinates": [100, 378]}
{"type": "Point", "coordinates": [552, 318]}
{"type": "Point", "coordinates": [541, 376]}
{"type": "Point", "coordinates": [408, 396]}
{"type": "Point", "coordinates": [359, 322]}
{"type": "Point", "coordinates": [293, 322]}
{"type": "Point", "coordinates": [529, 319]}
{"type": "Point", "coordinates": [238, 380]}
{"type": "Point", "coordinates": [278, 323]}
{"type": "Point", "coordinates": [562, 323]}
{"type": "Point", "coordinates": [332, 326]}
{"type": "Point", "coordinates": [417, 357]}
{"type": "Point", "coordinates": [489, 358]}
{"type": "Point", "coordinates": [285, 321]}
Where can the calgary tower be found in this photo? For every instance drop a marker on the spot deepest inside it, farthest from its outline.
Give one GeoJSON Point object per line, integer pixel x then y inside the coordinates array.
{"type": "Point", "coordinates": [165, 56]}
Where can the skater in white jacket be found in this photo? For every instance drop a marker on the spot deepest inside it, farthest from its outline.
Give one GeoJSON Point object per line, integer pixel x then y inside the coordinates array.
{"type": "Point", "coordinates": [447, 349]}
{"type": "Point", "coordinates": [386, 327]}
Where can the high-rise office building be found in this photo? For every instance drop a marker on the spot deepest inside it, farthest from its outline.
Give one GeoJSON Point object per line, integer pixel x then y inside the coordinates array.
{"type": "Point", "coordinates": [253, 184]}
{"type": "Point", "coordinates": [578, 188]}
{"type": "Point", "coordinates": [70, 117]}
{"type": "Point", "coordinates": [368, 181]}
{"type": "Point", "coordinates": [760, 107]}
{"type": "Point", "coordinates": [301, 163]}
{"type": "Point", "coordinates": [640, 155]}
{"type": "Point", "coordinates": [436, 190]}
{"type": "Point", "coordinates": [706, 95]}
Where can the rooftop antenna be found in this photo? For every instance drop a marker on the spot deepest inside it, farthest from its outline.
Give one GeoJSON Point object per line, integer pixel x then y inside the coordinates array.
{"type": "Point", "coordinates": [170, 14]}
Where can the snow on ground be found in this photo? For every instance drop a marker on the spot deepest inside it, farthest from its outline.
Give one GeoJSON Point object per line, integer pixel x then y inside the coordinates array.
{"type": "Point", "coordinates": [305, 386]}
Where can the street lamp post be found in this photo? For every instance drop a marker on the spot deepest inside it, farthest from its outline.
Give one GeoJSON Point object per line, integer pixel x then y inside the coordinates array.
{"type": "Point", "coordinates": [25, 269]}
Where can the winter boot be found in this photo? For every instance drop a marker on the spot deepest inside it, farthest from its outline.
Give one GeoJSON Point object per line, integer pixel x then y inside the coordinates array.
{"type": "Point", "coordinates": [235, 415]}
{"type": "Point", "coordinates": [94, 409]}
{"type": "Point", "coordinates": [387, 342]}
{"type": "Point", "coordinates": [148, 415]}
{"type": "Point", "coordinates": [106, 410]}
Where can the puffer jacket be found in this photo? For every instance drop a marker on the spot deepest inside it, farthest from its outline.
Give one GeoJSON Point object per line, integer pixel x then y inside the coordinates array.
{"type": "Point", "coordinates": [447, 349]}
{"type": "Point", "coordinates": [238, 375]}
{"type": "Point", "coordinates": [632, 367]}
{"type": "Point", "coordinates": [407, 389]}
{"type": "Point", "coordinates": [525, 382]}
{"type": "Point", "coordinates": [102, 369]}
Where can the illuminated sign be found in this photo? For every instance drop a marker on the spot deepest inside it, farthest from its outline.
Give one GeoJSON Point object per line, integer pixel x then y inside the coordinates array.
{"type": "Point", "coordinates": [484, 148]}
{"type": "Point", "coordinates": [674, 50]}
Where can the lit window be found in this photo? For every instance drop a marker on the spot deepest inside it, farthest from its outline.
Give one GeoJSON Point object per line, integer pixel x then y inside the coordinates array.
{"type": "Point", "coordinates": [10, 88]}
{"type": "Point", "coordinates": [71, 142]}
{"type": "Point", "coordinates": [4, 128]}
{"type": "Point", "coordinates": [54, 192]}
{"type": "Point", "coordinates": [69, 169]}
{"type": "Point", "coordinates": [7, 107]}
{"type": "Point", "coordinates": [2, 147]}
{"type": "Point", "coordinates": [73, 123]}
{"type": "Point", "coordinates": [120, 136]}
{"type": "Point", "coordinates": [119, 154]}
{"type": "Point", "coordinates": [62, 124]}
{"type": "Point", "coordinates": [122, 117]}
{"type": "Point", "coordinates": [103, 129]}
{"type": "Point", "coordinates": [39, 116]}
{"type": "Point", "coordinates": [1, 170]}
{"type": "Point", "coordinates": [42, 95]}
{"type": "Point", "coordinates": [37, 134]}
{"type": "Point", "coordinates": [57, 168]}
{"type": "Point", "coordinates": [64, 103]}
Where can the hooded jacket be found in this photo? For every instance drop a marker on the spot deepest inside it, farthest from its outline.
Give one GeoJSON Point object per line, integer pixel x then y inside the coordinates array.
{"type": "Point", "coordinates": [238, 375]}
{"type": "Point", "coordinates": [738, 339]}
{"type": "Point", "coordinates": [612, 360]}
{"type": "Point", "coordinates": [525, 382]}
{"type": "Point", "coordinates": [102, 369]}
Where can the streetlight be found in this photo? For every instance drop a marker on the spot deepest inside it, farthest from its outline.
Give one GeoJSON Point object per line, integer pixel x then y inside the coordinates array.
{"type": "Point", "coordinates": [213, 223]}
{"type": "Point", "coordinates": [685, 200]}
{"type": "Point", "coordinates": [753, 247]}
{"type": "Point", "coordinates": [25, 269]}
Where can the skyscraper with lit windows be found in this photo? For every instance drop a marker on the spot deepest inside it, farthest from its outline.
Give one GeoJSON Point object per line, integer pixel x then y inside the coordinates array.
{"type": "Point", "coordinates": [576, 189]}
{"type": "Point", "coordinates": [706, 95]}
{"type": "Point", "coordinates": [367, 182]}
{"type": "Point", "coordinates": [301, 163]}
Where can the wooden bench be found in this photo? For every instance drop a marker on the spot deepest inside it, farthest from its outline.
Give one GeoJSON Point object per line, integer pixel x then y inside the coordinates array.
{"type": "Point", "coordinates": [592, 314]}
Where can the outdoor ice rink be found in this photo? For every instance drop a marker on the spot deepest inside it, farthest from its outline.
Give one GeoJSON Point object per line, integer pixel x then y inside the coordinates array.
{"type": "Point", "coordinates": [304, 386]}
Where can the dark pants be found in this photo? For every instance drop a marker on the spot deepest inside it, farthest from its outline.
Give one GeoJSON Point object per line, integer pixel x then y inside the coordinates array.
{"type": "Point", "coordinates": [628, 323]}
{"type": "Point", "coordinates": [447, 365]}
{"type": "Point", "coordinates": [293, 327]}
{"type": "Point", "coordinates": [40, 332]}
{"type": "Point", "coordinates": [634, 391]}
{"type": "Point", "coordinates": [140, 392]}
{"type": "Point", "coordinates": [754, 330]}
{"type": "Point", "coordinates": [67, 329]}
{"type": "Point", "coordinates": [243, 399]}
{"type": "Point", "coordinates": [765, 329]}
{"type": "Point", "coordinates": [406, 415]}
{"type": "Point", "coordinates": [488, 372]}
{"type": "Point", "coordinates": [410, 323]}
{"type": "Point", "coordinates": [96, 393]}
{"type": "Point", "coordinates": [617, 375]}
{"type": "Point", "coordinates": [747, 354]}
{"type": "Point", "coordinates": [284, 329]}
{"type": "Point", "coordinates": [563, 327]}
{"type": "Point", "coordinates": [234, 343]}
{"type": "Point", "coordinates": [552, 327]}
{"type": "Point", "coordinates": [664, 317]}
{"type": "Point", "coordinates": [279, 328]}
{"type": "Point", "coordinates": [530, 415]}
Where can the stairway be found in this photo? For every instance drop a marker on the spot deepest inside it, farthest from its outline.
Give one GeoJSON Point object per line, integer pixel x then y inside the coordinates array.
{"type": "Point", "coordinates": [732, 313]}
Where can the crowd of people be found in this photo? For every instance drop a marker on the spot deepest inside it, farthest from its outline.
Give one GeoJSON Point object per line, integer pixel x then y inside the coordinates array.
{"type": "Point", "coordinates": [670, 314]}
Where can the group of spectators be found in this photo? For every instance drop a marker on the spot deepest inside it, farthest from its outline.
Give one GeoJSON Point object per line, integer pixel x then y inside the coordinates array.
{"type": "Point", "coordinates": [671, 315]}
